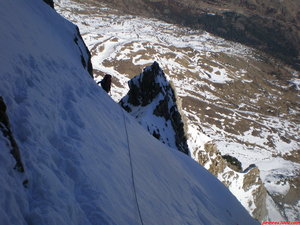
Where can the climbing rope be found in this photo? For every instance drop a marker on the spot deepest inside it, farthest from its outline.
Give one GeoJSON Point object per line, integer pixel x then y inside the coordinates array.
{"type": "Point", "coordinates": [131, 168]}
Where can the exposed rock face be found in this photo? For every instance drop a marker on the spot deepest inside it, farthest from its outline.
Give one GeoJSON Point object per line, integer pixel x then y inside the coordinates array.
{"type": "Point", "coordinates": [259, 192]}
{"type": "Point", "coordinates": [230, 175]}
{"type": "Point", "coordinates": [151, 97]}
{"type": "Point", "coordinates": [144, 88]}
{"type": "Point", "coordinates": [84, 52]}
{"type": "Point", "coordinates": [272, 26]}
{"type": "Point", "coordinates": [212, 159]}
{"type": "Point", "coordinates": [7, 134]}
{"type": "Point", "coordinates": [284, 189]}
{"type": "Point", "coordinates": [289, 202]}
{"type": "Point", "coordinates": [50, 3]}
{"type": "Point", "coordinates": [233, 163]}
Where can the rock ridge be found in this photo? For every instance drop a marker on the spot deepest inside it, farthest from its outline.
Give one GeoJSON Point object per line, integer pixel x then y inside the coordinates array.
{"type": "Point", "coordinates": [150, 94]}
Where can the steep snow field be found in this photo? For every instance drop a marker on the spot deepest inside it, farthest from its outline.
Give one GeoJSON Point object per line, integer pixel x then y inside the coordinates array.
{"type": "Point", "coordinates": [86, 161]}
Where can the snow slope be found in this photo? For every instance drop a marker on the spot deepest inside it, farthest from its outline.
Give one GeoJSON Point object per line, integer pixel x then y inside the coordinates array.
{"type": "Point", "coordinates": [83, 155]}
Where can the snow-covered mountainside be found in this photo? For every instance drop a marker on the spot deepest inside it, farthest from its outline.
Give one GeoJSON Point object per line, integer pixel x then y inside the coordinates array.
{"type": "Point", "coordinates": [269, 25]}
{"type": "Point", "coordinates": [242, 101]}
{"type": "Point", "coordinates": [81, 159]}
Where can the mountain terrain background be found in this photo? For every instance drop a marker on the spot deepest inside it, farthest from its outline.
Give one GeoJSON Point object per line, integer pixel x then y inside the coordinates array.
{"type": "Point", "coordinates": [272, 26]}
{"type": "Point", "coordinates": [71, 155]}
{"type": "Point", "coordinates": [237, 86]}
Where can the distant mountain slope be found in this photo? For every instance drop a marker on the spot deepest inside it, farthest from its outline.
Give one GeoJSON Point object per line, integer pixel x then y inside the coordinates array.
{"type": "Point", "coordinates": [272, 26]}
{"type": "Point", "coordinates": [86, 162]}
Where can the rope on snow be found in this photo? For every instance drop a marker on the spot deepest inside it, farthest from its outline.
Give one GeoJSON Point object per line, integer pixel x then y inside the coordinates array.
{"type": "Point", "coordinates": [131, 168]}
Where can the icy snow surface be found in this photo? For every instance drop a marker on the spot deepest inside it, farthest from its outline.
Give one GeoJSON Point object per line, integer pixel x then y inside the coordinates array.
{"type": "Point", "coordinates": [73, 143]}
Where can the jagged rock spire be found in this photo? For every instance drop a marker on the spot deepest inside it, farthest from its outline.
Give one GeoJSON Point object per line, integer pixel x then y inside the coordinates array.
{"type": "Point", "coordinates": [150, 97]}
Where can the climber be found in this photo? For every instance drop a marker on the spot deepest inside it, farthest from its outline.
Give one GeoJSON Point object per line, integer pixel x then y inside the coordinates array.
{"type": "Point", "coordinates": [106, 83]}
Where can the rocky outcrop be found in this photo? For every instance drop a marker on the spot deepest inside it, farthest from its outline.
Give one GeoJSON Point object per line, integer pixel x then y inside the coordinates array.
{"type": "Point", "coordinates": [271, 26]}
{"type": "Point", "coordinates": [233, 162]}
{"type": "Point", "coordinates": [7, 134]}
{"type": "Point", "coordinates": [50, 3]}
{"type": "Point", "coordinates": [211, 159]}
{"type": "Point", "coordinates": [288, 202]}
{"type": "Point", "coordinates": [145, 87]}
{"type": "Point", "coordinates": [150, 97]}
{"type": "Point", "coordinates": [246, 186]}
{"type": "Point", "coordinates": [253, 183]}
{"type": "Point", "coordinates": [85, 54]}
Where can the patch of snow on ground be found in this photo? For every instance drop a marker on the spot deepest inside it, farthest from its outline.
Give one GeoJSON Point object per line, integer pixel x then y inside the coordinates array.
{"type": "Point", "coordinates": [272, 172]}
